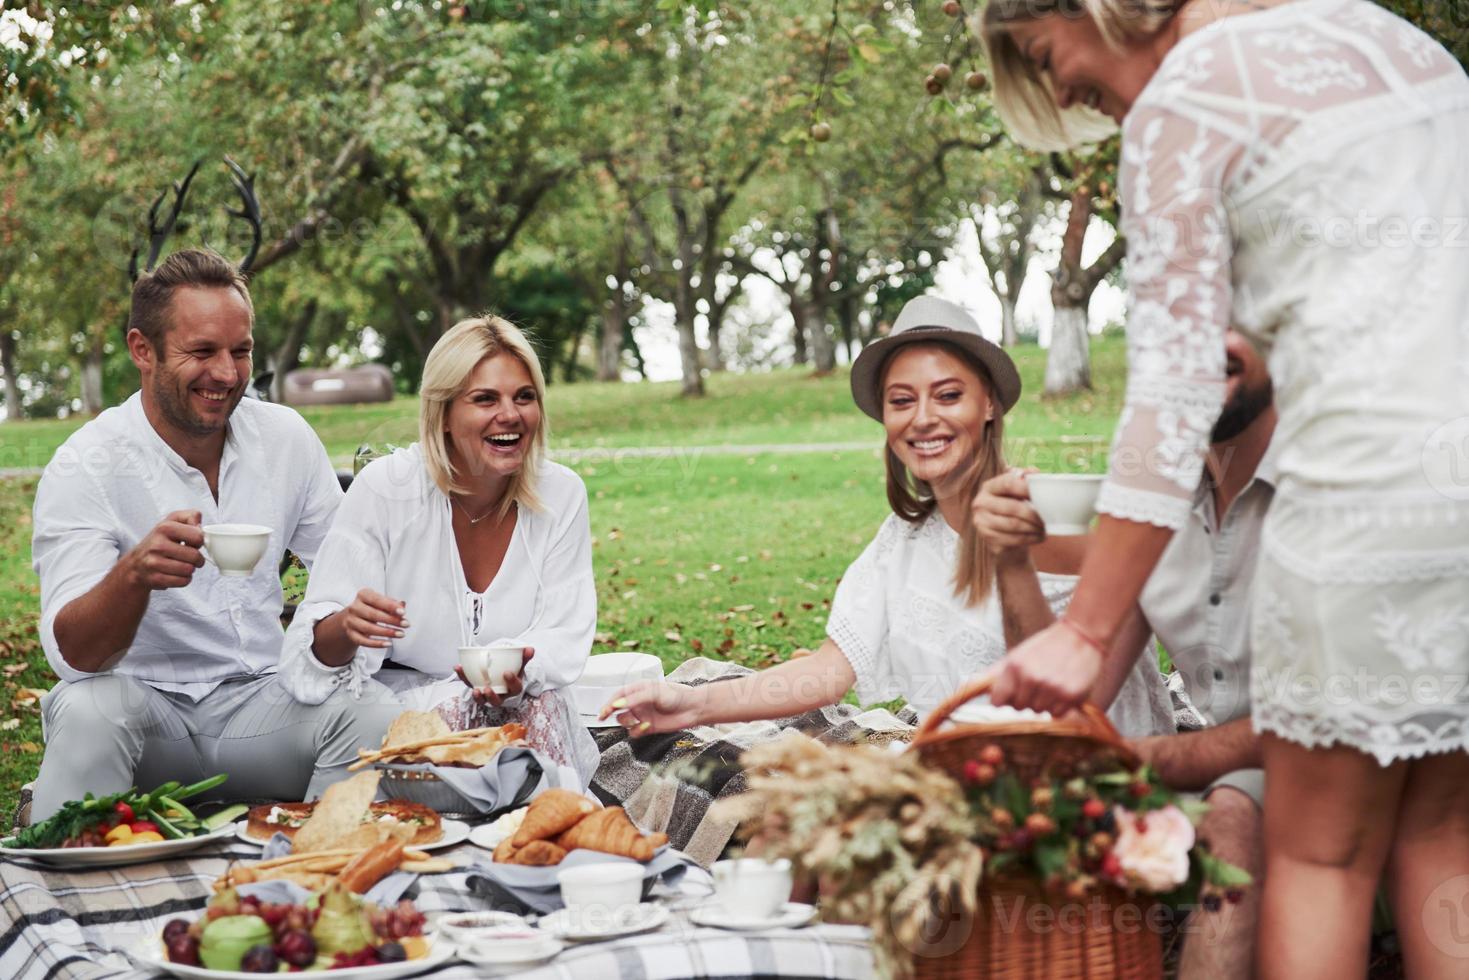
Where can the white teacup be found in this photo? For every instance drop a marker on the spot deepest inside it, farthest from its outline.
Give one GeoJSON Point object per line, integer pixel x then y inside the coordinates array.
{"type": "Point", "coordinates": [752, 888]}
{"type": "Point", "coordinates": [1066, 501]}
{"type": "Point", "coordinates": [235, 549]}
{"type": "Point", "coordinates": [486, 666]}
{"type": "Point", "coordinates": [594, 893]}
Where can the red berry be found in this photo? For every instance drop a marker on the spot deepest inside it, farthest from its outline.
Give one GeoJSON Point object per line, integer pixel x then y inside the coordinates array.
{"type": "Point", "coordinates": [952, 8]}
{"type": "Point", "coordinates": [1140, 789]}
{"type": "Point", "coordinates": [1111, 866]}
{"type": "Point", "coordinates": [1042, 797]}
{"type": "Point", "coordinates": [971, 771]}
{"type": "Point", "coordinates": [975, 80]}
{"type": "Point", "coordinates": [992, 755]}
{"type": "Point", "coordinates": [1093, 809]}
{"type": "Point", "coordinates": [933, 85]}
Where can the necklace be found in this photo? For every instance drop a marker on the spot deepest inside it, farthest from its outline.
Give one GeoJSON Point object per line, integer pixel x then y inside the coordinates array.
{"type": "Point", "coordinates": [472, 520]}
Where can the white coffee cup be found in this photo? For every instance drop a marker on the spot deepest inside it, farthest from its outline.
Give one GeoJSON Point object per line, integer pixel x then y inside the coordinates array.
{"type": "Point", "coordinates": [486, 666]}
{"type": "Point", "coordinates": [235, 549]}
{"type": "Point", "coordinates": [599, 891]}
{"type": "Point", "coordinates": [1067, 502]}
{"type": "Point", "coordinates": [752, 888]}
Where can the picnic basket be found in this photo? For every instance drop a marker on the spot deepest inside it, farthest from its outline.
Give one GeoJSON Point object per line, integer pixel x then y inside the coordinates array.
{"type": "Point", "coordinates": [1020, 932]}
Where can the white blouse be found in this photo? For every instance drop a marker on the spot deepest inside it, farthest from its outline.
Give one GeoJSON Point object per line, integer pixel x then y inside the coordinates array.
{"type": "Point", "coordinates": [393, 534]}
{"type": "Point", "coordinates": [1300, 173]}
{"type": "Point", "coordinates": [907, 635]}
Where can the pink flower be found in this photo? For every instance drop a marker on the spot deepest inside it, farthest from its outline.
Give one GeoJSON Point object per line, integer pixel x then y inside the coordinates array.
{"type": "Point", "coordinates": [1153, 849]}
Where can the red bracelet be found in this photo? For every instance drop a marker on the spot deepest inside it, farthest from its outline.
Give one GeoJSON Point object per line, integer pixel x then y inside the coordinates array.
{"type": "Point", "coordinates": [1086, 637]}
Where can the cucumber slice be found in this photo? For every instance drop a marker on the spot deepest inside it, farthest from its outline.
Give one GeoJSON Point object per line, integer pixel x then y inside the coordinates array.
{"type": "Point", "coordinates": [216, 820]}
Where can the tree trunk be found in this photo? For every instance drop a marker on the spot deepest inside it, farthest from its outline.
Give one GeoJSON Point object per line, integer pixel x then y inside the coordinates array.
{"type": "Point", "coordinates": [823, 349]}
{"type": "Point", "coordinates": [798, 329]}
{"type": "Point", "coordinates": [573, 353]}
{"type": "Point", "coordinates": [92, 378]}
{"type": "Point", "coordinates": [288, 354]}
{"type": "Point", "coordinates": [1068, 363]}
{"type": "Point", "coordinates": [614, 325]}
{"type": "Point", "coordinates": [1010, 332]}
{"type": "Point", "coordinates": [714, 353]}
{"type": "Point", "coordinates": [13, 409]}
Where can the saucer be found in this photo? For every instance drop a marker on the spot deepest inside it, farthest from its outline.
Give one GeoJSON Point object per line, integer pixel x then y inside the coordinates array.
{"type": "Point", "coordinates": [791, 915]}
{"type": "Point", "coordinates": [628, 921]}
{"type": "Point", "coordinates": [518, 955]}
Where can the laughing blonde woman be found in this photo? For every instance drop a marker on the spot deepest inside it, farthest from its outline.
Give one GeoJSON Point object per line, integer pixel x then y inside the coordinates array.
{"type": "Point", "coordinates": [469, 536]}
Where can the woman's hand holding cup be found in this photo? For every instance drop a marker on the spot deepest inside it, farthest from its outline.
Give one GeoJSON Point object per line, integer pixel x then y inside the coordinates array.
{"type": "Point", "coordinates": [1004, 519]}
{"type": "Point", "coordinates": [513, 680]}
{"type": "Point", "coordinates": [374, 620]}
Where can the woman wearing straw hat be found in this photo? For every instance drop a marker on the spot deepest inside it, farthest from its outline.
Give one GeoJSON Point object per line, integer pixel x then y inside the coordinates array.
{"type": "Point", "coordinates": [918, 611]}
{"type": "Point", "coordinates": [1297, 169]}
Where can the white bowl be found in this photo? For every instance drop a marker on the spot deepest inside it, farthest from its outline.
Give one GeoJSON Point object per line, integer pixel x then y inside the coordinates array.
{"type": "Point", "coordinates": [752, 888]}
{"type": "Point", "coordinates": [487, 665]}
{"type": "Point", "coordinates": [507, 945]}
{"type": "Point", "coordinates": [1067, 502]}
{"type": "Point", "coordinates": [601, 888]}
{"type": "Point", "coordinates": [606, 672]}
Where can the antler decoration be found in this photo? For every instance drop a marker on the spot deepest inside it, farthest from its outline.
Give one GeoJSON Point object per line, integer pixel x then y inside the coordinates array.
{"type": "Point", "coordinates": [158, 234]}
{"type": "Point", "coordinates": [249, 209]}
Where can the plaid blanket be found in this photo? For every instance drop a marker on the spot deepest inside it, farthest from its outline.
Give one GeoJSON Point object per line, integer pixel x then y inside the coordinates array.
{"type": "Point", "coordinates": [61, 924]}
{"type": "Point", "coordinates": [668, 782]}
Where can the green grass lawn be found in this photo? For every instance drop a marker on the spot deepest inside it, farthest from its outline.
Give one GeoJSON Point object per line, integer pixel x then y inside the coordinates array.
{"type": "Point", "coordinates": [721, 555]}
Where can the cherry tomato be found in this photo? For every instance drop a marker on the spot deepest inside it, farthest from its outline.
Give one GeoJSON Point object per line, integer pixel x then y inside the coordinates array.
{"type": "Point", "coordinates": [145, 826]}
{"type": "Point", "coordinates": [124, 812]}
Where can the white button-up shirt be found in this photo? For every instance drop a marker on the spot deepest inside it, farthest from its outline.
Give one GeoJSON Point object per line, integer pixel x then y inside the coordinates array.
{"type": "Point", "coordinates": [395, 535]}
{"type": "Point", "coordinates": [111, 483]}
{"type": "Point", "coordinates": [1197, 600]}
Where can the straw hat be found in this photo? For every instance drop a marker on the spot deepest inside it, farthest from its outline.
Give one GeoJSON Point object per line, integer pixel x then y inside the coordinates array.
{"type": "Point", "coordinates": [928, 319]}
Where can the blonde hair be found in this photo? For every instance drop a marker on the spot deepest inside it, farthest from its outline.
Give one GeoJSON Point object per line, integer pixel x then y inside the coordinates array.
{"type": "Point", "coordinates": [1025, 97]}
{"type": "Point", "coordinates": [913, 499]}
{"type": "Point", "coordinates": [446, 375]}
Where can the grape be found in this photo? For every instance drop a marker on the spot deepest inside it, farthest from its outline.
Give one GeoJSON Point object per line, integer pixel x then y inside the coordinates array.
{"type": "Point", "coordinates": [260, 959]}
{"type": "Point", "coordinates": [297, 948]}
{"type": "Point", "coordinates": [391, 953]}
{"type": "Point", "coordinates": [174, 927]}
{"type": "Point", "coordinates": [183, 948]}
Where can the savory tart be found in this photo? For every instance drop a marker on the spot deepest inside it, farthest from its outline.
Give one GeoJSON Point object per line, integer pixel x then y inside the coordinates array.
{"type": "Point", "coordinates": [286, 818]}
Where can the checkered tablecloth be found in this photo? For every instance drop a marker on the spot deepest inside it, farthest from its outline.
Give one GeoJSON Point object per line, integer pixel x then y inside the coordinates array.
{"type": "Point", "coordinates": [58, 924]}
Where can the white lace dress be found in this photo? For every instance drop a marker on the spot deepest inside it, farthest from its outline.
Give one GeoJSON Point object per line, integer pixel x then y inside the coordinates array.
{"type": "Point", "coordinates": [1304, 172]}
{"type": "Point", "coordinates": [897, 621]}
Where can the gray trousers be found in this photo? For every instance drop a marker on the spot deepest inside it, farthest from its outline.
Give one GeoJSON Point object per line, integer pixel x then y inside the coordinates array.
{"type": "Point", "coordinates": [109, 732]}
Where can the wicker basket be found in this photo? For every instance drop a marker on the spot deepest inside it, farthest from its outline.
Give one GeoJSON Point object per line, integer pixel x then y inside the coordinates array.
{"type": "Point", "coordinates": [1019, 932]}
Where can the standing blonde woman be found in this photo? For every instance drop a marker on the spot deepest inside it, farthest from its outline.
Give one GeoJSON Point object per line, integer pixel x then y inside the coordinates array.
{"type": "Point", "coordinates": [469, 536]}
{"type": "Point", "coordinates": [1301, 170]}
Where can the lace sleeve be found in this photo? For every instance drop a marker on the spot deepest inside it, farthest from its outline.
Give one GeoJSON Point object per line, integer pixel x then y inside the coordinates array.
{"type": "Point", "coordinates": [1179, 247]}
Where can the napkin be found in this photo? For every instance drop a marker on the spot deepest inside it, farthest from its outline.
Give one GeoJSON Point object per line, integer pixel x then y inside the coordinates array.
{"type": "Point", "coordinates": [517, 888]}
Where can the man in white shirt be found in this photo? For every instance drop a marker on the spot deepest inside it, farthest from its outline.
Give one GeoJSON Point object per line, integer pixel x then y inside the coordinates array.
{"type": "Point", "coordinates": [168, 668]}
{"type": "Point", "coordinates": [1197, 603]}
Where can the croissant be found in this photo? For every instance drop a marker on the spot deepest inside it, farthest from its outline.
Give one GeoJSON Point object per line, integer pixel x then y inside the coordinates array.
{"type": "Point", "coordinates": [612, 832]}
{"type": "Point", "coordinates": [538, 853]}
{"type": "Point", "coordinates": [550, 813]}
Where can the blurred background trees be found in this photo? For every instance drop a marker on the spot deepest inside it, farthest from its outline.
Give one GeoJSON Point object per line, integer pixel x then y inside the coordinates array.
{"type": "Point", "coordinates": [751, 184]}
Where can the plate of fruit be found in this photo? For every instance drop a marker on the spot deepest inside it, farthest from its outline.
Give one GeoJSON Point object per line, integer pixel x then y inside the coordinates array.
{"type": "Point", "coordinates": [334, 932]}
{"type": "Point", "coordinates": [123, 828]}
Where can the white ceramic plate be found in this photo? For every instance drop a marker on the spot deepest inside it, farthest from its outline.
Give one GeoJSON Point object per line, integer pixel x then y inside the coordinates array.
{"type": "Point", "coordinates": [590, 721]}
{"type": "Point", "coordinates": [112, 857]}
{"type": "Point", "coordinates": [455, 832]}
{"type": "Point", "coordinates": [792, 915]}
{"type": "Point", "coordinates": [643, 917]}
{"type": "Point", "coordinates": [153, 955]}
